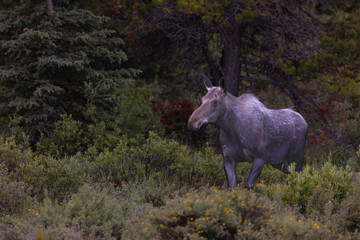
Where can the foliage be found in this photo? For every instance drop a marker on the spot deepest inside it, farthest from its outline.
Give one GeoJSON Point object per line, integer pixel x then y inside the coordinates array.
{"type": "Point", "coordinates": [313, 189]}
{"type": "Point", "coordinates": [103, 168]}
{"type": "Point", "coordinates": [332, 73]}
{"type": "Point", "coordinates": [58, 178]}
{"type": "Point", "coordinates": [219, 214]}
{"type": "Point", "coordinates": [100, 216]}
{"type": "Point", "coordinates": [241, 43]}
{"type": "Point", "coordinates": [135, 113]}
{"type": "Point", "coordinates": [39, 173]}
{"type": "Point", "coordinates": [14, 195]}
{"type": "Point", "coordinates": [158, 159]}
{"type": "Point", "coordinates": [57, 62]}
{"type": "Point", "coordinates": [66, 138]}
{"type": "Point", "coordinates": [133, 117]}
{"type": "Point", "coordinates": [318, 154]}
{"type": "Point", "coordinates": [161, 188]}
{"type": "Point", "coordinates": [13, 154]}
{"type": "Point", "coordinates": [348, 216]}
{"type": "Point", "coordinates": [174, 116]}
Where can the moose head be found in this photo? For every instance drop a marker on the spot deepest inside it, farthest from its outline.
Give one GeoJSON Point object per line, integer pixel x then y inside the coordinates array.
{"type": "Point", "coordinates": [212, 108]}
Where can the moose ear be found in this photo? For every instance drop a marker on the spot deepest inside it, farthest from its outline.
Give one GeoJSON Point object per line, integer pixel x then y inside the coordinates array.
{"type": "Point", "coordinates": [207, 83]}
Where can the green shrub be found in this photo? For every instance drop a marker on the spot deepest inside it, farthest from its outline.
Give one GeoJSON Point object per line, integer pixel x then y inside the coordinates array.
{"type": "Point", "coordinates": [176, 163]}
{"type": "Point", "coordinates": [151, 192]}
{"type": "Point", "coordinates": [312, 189]}
{"type": "Point", "coordinates": [210, 213]}
{"type": "Point", "coordinates": [58, 177]}
{"type": "Point", "coordinates": [113, 165]}
{"type": "Point", "coordinates": [348, 215]}
{"type": "Point", "coordinates": [318, 155]}
{"type": "Point", "coordinates": [288, 226]}
{"type": "Point", "coordinates": [91, 213]}
{"type": "Point", "coordinates": [133, 117]}
{"type": "Point", "coordinates": [103, 137]}
{"type": "Point", "coordinates": [14, 195]}
{"type": "Point", "coordinates": [98, 215]}
{"type": "Point", "coordinates": [70, 137]}
{"type": "Point", "coordinates": [66, 138]}
{"type": "Point", "coordinates": [269, 175]}
{"type": "Point", "coordinates": [135, 114]}
{"type": "Point", "coordinates": [158, 159]}
{"type": "Point", "coordinates": [13, 154]}
{"type": "Point", "coordinates": [222, 214]}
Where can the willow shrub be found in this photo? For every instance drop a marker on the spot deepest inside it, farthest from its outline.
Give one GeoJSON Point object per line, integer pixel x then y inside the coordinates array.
{"type": "Point", "coordinates": [59, 177]}
{"type": "Point", "coordinates": [36, 173]}
{"type": "Point", "coordinates": [222, 214]}
{"type": "Point", "coordinates": [67, 138]}
{"type": "Point", "coordinates": [159, 159]}
{"type": "Point", "coordinates": [313, 188]}
{"type": "Point", "coordinates": [91, 213]}
{"type": "Point", "coordinates": [348, 215]}
{"type": "Point", "coordinates": [13, 154]}
{"type": "Point", "coordinates": [14, 195]}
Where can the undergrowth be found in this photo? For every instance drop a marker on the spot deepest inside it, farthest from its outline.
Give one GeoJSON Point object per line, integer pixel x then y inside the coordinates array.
{"type": "Point", "coordinates": [121, 187]}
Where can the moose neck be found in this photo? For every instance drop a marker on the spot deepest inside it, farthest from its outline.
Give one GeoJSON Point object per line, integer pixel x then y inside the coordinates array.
{"type": "Point", "coordinates": [228, 121]}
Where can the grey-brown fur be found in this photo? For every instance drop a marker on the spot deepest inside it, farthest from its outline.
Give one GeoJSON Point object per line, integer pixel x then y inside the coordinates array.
{"type": "Point", "coordinates": [250, 132]}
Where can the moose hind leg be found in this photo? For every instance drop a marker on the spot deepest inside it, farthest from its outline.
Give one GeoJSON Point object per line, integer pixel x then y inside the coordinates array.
{"type": "Point", "coordinates": [256, 169]}
{"type": "Point", "coordinates": [297, 152]}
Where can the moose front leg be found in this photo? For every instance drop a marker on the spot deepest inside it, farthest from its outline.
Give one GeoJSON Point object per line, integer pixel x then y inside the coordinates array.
{"type": "Point", "coordinates": [230, 171]}
{"type": "Point", "coordinates": [229, 167]}
{"type": "Point", "coordinates": [256, 169]}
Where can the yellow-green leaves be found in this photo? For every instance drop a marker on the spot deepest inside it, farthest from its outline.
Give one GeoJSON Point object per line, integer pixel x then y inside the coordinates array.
{"type": "Point", "coordinates": [247, 15]}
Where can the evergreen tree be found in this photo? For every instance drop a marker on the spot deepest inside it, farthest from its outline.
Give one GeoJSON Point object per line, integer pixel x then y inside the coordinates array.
{"type": "Point", "coordinates": [57, 61]}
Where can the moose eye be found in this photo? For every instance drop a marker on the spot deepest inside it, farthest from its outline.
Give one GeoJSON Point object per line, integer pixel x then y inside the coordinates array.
{"type": "Point", "coordinates": [215, 102]}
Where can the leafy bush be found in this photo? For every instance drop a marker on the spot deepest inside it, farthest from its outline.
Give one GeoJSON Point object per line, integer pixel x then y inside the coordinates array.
{"type": "Point", "coordinates": [91, 213]}
{"type": "Point", "coordinates": [210, 213]}
{"type": "Point", "coordinates": [177, 163]}
{"type": "Point", "coordinates": [102, 137]}
{"type": "Point", "coordinates": [13, 154]}
{"type": "Point", "coordinates": [289, 226]}
{"type": "Point", "coordinates": [219, 214]}
{"type": "Point", "coordinates": [159, 159]}
{"type": "Point", "coordinates": [58, 177]}
{"type": "Point", "coordinates": [114, 166]}
{"type": "Point", "coordinates": [341, 156]}
{"type": "Point", "coordinates": [125, 187]}
{"type": "Point", "coordinates": [348, 215]}
{"type": "Point", "coordinates": [135, 115]}
{"type": "Point", "coordinates": [132, 117]}
{"type": "Point", "coordinates": [14, 195]}
{"type": "Point", "coordinates": [66, 138]}
{"type": "Point", "coordinates": [311, 188]}
{"type": "Point", "coordinates": [70, 137]}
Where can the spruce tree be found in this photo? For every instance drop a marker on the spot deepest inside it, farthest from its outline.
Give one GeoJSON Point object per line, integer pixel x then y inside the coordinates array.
{"type": "Point", "coordinates": [57, 61]}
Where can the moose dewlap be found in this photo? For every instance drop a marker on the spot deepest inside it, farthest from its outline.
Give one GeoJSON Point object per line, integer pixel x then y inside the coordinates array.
{"type": "Point", "coordinates": [250, 132]}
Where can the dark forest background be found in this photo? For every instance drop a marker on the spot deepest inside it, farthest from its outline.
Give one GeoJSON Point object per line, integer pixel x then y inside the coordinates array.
{"type": "Point", "coordinates": [95, 98]}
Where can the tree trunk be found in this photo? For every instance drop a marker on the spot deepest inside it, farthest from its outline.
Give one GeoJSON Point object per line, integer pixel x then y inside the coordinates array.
{"type": "Point", "coordinates": [213, 65]}
{"type": "Point", "coordinates": [231, 62]}
{"type": "Point", "coordinates": [50, 5]}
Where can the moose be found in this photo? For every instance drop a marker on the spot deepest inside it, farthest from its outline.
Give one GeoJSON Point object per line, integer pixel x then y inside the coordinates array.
{"type": "Point", "coordinates": [250, 132]}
